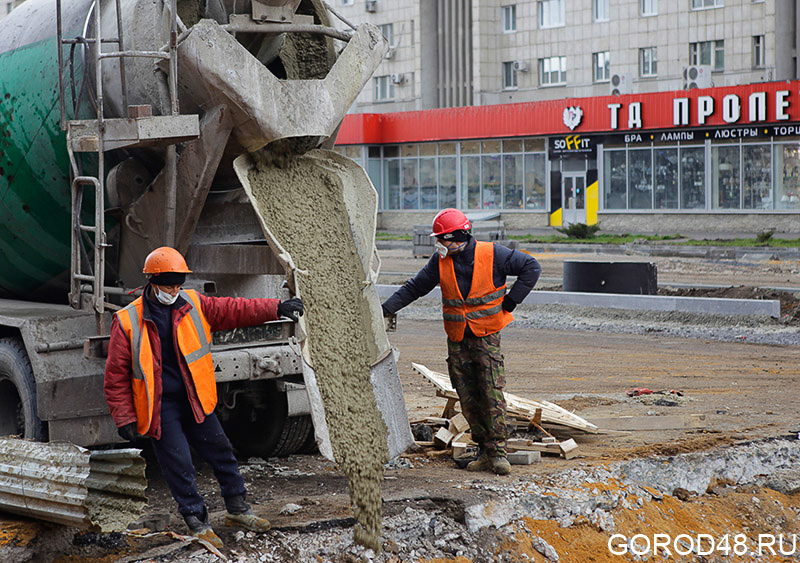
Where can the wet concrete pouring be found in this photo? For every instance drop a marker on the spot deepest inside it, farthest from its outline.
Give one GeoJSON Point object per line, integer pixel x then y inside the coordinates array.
{"type": "Point", "coordinates": [735, 477]}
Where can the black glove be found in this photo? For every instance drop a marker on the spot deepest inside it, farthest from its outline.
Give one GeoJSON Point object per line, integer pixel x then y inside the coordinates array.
{"type": "Point", "coordinates": [386, 312]}
{"type": "Point", "coordinates": [127, 432]}
{"type": "Point", "coordinates": [291, 308]}
{"type": "Point", "coordinates": [508, 304]}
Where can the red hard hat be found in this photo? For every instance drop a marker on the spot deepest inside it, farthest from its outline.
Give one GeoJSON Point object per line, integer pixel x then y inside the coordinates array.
{"type": "Point", "coordinates": [449, 220]}
{"type": "Point", "coordinates": [165, 259]}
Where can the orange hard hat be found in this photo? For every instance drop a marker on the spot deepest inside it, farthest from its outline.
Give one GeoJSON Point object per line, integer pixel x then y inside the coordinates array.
{"type": "Point", "coordinates": [165, 259]}
{"type": "Point", "coordinates": [449, 220]}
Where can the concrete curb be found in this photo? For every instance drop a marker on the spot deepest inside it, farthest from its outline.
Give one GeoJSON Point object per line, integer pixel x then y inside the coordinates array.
{"type": "Point", "coordinates": [701, 305]}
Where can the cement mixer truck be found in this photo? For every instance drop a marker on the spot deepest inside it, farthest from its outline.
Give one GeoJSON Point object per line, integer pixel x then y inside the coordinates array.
{"type": "Point", "coordinates": [119, 124]}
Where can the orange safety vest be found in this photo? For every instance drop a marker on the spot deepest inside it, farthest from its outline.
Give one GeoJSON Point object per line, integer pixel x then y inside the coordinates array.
{"type": "Point", "coordinates": [194, 342]}
{"type": "Point", "coordinates": [483, 307]}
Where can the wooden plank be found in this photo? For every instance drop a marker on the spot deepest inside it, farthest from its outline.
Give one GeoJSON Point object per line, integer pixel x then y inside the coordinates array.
{"type": "Point", "coordinates": [645, 423]}
{"type": "Point", "coordinates": [516, 406]}
{"type": "Point", "coordinates": [458, 424]}
{"type": "Point", "coordinates": [569, 448]}
{"type": "Point", "coordinates": [450, 408]}
{"type": "Point", "coordinates": [443, 438]}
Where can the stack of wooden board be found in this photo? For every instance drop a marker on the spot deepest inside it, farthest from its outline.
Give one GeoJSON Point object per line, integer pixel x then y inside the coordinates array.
{"type": "Point", "coordinates": [521, 411]}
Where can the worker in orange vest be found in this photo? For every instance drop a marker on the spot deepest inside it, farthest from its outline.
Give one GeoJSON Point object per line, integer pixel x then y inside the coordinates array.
{"type": "Point", "coordinates": [475, 308]}
{"type": "Point", "coordinates": [159, 382]}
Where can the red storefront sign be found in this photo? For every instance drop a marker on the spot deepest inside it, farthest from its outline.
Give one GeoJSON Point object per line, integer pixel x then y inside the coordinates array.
{"type": "Point", "coordinates": [752, 104]}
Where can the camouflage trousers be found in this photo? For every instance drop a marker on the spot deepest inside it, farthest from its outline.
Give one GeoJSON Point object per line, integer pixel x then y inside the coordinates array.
{"type": "Point", "coordinates": [477, 374]}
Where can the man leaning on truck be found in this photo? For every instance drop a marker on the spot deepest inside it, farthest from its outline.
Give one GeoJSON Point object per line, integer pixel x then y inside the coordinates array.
{"type": "Point", "coordinates": [159, 382]}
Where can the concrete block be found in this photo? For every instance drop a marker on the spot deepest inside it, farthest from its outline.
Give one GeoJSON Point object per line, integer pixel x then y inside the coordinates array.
{"type": "Point", "coordinates": [523, 458]}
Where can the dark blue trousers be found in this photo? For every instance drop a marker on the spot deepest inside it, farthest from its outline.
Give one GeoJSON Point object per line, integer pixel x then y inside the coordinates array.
{"type": "Point", "coordinates": [179, 430]}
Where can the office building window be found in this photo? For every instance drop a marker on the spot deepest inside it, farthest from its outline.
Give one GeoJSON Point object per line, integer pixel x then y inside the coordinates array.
{"type": "Point", "coordinates": [9, 7]}
{"type": "Point", "coordinates": [759, 59]}
{"type": "Point", "coordinates": [346, 2]}
{"type": "Point", "coordinates": [509, 76]}
{"type": "Point", "coordinates": [552, 71]}
{"type": "Point", "coordinates": [387, 30]}
{"type": "Point", "coordinates": [509, 18]}
{"type": "Point", "coordinates": [601, 10]}
{"type": "Point", "coordinates": [551, 13]}
{"type": "Point", "coordinates": [648, 61]}
{"type": "Point", "coordinates": [649, 7]}
{"type": "Point", "coordinates": [702, 4]}
{"type": "Point", "coordinates": [384, 88]}
{"type": "Point", "coordinates": [600, 66]}
{"type": "Point", "coordinates": [708, 53]}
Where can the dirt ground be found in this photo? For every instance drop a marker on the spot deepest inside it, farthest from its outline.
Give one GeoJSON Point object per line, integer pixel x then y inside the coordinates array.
{"type": "Point", "coordinates": [743, 391]}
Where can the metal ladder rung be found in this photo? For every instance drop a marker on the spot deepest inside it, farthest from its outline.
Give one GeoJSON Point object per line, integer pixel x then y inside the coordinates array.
{"type": "Point", "coordinates": [140, 54]}
{"type": "Point", "coordinates": [84, 277]}
{"type": "Point", "coordinates": [88, 228]}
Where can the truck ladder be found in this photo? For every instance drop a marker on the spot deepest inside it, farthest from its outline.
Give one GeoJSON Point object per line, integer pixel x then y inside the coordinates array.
{"type": "Point", "coordinates": [103, 134]}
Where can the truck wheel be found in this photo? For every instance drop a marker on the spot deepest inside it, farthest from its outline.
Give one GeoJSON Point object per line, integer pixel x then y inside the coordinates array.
{"type": "Point", "coordinates": [18, 411]}
{"type": "Point", "coordinates": [260, 426]}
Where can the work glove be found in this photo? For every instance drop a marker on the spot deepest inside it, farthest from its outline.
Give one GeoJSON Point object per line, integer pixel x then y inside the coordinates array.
{"type": "Point", "coordinates": [291, 308]}
{"type": "Point", "coordinates": [386, 312]}
{"type": "Point", "coordinates": [508, 304]}
{"type": "Point", "coordinates": [127, 432]}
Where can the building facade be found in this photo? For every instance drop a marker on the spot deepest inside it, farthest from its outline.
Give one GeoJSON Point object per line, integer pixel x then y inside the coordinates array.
{"type": "Point", "coordinates": [7, 5]}
{"type": "Point", "coordinates": [641, 115]}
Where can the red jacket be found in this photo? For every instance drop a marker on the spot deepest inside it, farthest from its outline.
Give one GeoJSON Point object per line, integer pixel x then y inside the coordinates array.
{"type": "Point", "coordinates": [222, 313]}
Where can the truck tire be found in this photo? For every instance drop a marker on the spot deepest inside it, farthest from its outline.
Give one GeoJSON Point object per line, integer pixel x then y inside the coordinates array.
{"type": "Point", "coordinates": [18, 410]}
{"type": "Point", "coordinates": [260, 426]}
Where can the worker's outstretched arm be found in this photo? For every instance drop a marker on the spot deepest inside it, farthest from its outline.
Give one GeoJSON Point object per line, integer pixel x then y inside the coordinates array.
{"type": "Point", "coordinates": [225, 313]}
{"type": "Point", "coordinates": [418, 286]}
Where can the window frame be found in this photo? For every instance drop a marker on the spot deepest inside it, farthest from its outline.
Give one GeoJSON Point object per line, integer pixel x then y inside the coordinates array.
{"type": "Point", "coordinates": [560, 16]}
{"type": "Point", "coordinates": [653, 62]}
{"type": "Point", "coordinates": [510, 76]}
{"type": "Point", "coordinates": [562, 63]}
{"type": "Point", "coordinates": [508, 18]}
{"type": "Point", "coordinates": [389, 36]}
{"type": "Point", "coordinates": [715, 46]}
{"type": "Point", "coordinates": [606, 67]}
{"type": "Point", "coordinates": [653, 11]}
{"type": "Point", "coordinates": [596, 9]}
{"type": "Point", "coordinates": [714, 4]}
{"type": "Point", "coordinates": [758, 46]}
{"type": "Point", "coordinates": [378, 85]}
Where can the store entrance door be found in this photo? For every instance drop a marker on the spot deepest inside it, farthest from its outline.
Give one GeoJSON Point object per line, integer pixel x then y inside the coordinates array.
{"type": "Point", "coordinates": [573, 194]}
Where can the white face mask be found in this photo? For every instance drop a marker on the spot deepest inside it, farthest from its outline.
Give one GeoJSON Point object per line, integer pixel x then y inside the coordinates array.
{"type": "Point", "coordinates": [440, 248]}
{"type": "Point", "coordinates": [165, 298]}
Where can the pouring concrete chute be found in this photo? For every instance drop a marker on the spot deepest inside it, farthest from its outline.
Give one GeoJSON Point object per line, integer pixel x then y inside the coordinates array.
{"type": "Point", "coordinates": [358, 211]}
{"type": "Point", "coordinates": [66, 484]}
{"type": "Point", "coordinates": [216, 79]}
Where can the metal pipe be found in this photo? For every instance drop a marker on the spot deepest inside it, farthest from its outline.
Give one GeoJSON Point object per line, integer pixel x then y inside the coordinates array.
{"type": "Point", "coordinates": [58, 346]}
{"type": "Point", "coordinates": [60, 46]}
{"type": "Point", "coordinates": [338, 15]}
{"type": "Point", "coordinates": [277, 28]}
{"type": "Point", "coordinates": [142, 54]}
{"type": "Point", "coordinates": [122, 81]}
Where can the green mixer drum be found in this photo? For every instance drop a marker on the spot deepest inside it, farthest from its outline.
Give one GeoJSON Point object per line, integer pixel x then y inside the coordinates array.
{"type": "Point", "coordinates": [34, 165]}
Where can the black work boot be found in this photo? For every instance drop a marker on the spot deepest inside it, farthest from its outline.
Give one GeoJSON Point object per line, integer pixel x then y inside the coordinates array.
{"type": "Point", "coordinates": [241, 515]}
{"type": "Point", "coordinates": [200, 528]}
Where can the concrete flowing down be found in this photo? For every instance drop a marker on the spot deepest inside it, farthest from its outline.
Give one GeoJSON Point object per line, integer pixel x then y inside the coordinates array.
{"type": "Point", "coordinates": [302, 200]}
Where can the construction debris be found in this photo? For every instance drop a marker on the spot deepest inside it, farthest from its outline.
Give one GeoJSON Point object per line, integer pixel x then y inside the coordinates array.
{"type": "Point", "coordinates": [451, 430]}
{"type": "Point", "coordinates": [66, 484]}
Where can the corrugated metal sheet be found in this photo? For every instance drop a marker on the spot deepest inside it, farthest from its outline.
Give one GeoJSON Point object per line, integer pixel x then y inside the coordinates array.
{"type": "Point", "coordinates": [64, 483]}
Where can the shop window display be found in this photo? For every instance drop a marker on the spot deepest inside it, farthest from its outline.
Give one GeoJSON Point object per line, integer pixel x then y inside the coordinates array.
{"type": "Point", "coordinates": [725, 189]}
{"type": "Point", "coordinates": [471, 182]}
{"type": "Point", "coordinates": [665, 195]}
{"type": "Point", "coordinates": [787, 176]}
{"type": "Point", "coordinates": [756, 177]}
{"type": "Point", "coordinates": [535, 181]}
{"type": "Point", "coordinates": [427, 183]}
{"type": "Point", "coordinates": [615, 184]}
{"type": "Point", "coordinates": [693, 162]}
{"type": "Point", "coordinates": [640, 179]}
{"type": "Point", "coordinates": [490, 175]}
{"type": "Point", "coordinates": [410, 169]}
{"type": "Point", "coordinates": [447, 182]}
{"type": "Point", "coordinates": [512, 181]}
